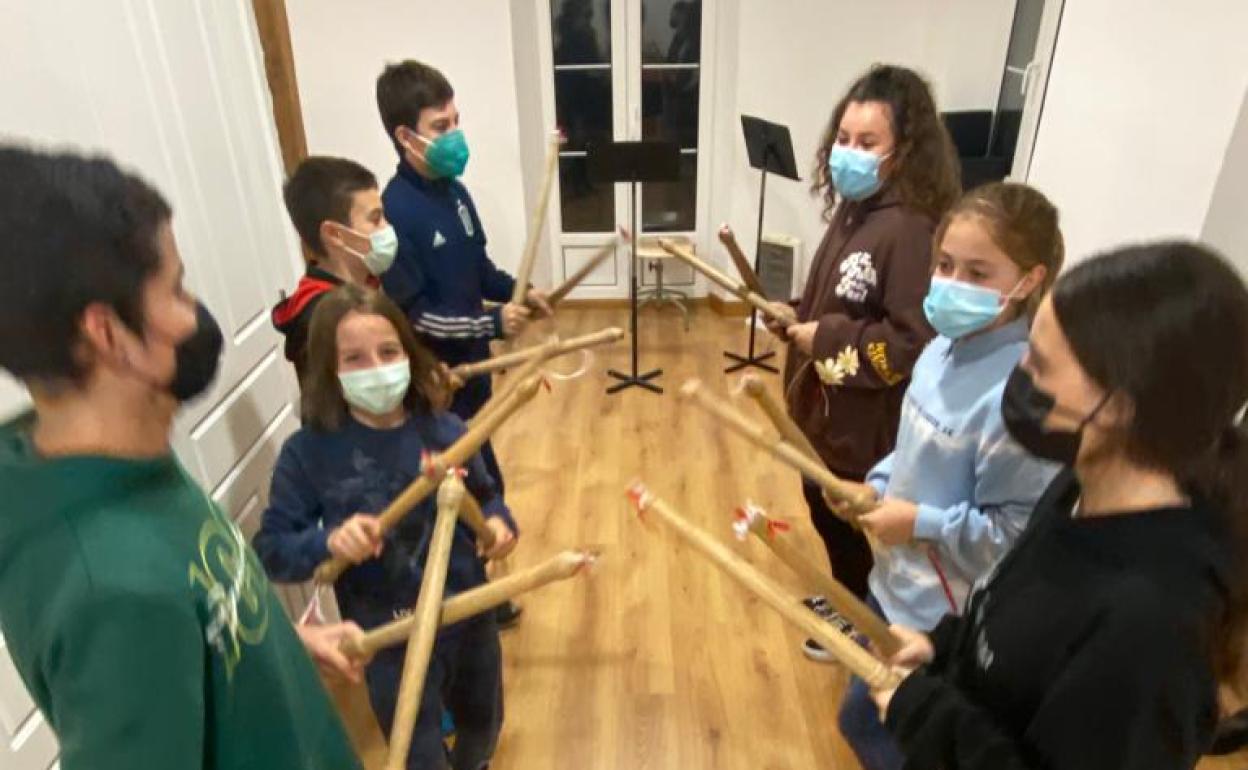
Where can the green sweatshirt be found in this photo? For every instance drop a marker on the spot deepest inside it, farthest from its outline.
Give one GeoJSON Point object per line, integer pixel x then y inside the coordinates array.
{"type": "Point", "coordinates": [143, 625]}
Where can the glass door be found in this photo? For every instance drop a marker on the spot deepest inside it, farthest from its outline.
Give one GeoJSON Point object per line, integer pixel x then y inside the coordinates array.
{"type": "Point", "coordinates": [623, 70]}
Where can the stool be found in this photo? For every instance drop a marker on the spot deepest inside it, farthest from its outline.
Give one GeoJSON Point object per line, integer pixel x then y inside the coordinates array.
{"type": "Point", "coordinates": [660, 294]}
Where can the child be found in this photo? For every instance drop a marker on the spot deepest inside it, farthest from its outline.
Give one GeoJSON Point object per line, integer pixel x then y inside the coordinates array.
{"type": "Point", "coordinates": [957, 491]}
{"type": "Point", "coordinates": [887, 172]}
{"type": "Point", "coordinates": [442, 273]}
{"type": "Point", "coordinates": [133, 609]}
{"type": "Point", "coordinates": [335, 207]}
{"type": "Point", "coordinates": [365, 430]}
{"type": "Point", "coordinates": [1099, 640]}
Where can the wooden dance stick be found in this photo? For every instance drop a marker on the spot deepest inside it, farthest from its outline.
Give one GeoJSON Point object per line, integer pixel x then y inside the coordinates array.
{"type": "Point", "coordinates": [779, 448]}
{"type": "Point", "coordinates": [528, 370]}
{"type": "Point", "coordinates": [470, 512]}
{"type": "Point", "coordinates": [562, 290]}
{"type": "Point", "coordinates": [740, 290]}
{"type": "Point", "coordinates": [856, 659]}
{"type": "Point", "coordinates": [820, 582]}
{"type": "Point", "coordinates": [729, 239]}
{"type": "Point", "coordinates": [561, 566]}
{"type": "Point", "coordinates": [538, 223]}
{"type": "Point", "coordinates": [756, 389]}
{"type": "Point", "coordinates": [455, 455]}
{"type": "Point", "coordinates": [451, 495]}
{"type": "Point", "coordinates": [508, 360]}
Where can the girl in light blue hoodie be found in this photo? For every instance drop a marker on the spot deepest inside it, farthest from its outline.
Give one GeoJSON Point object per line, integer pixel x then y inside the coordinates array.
{"type": "Point", "coordinates": [956, 492]}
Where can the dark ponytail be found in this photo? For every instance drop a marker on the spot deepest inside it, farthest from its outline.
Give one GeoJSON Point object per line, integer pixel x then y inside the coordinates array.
{"type": "Point", "coordinates": [1166, 326]}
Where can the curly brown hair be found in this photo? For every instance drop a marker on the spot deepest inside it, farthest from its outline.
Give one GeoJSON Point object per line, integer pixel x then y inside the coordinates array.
{"type": "Point", "coordinates": [924, 163]}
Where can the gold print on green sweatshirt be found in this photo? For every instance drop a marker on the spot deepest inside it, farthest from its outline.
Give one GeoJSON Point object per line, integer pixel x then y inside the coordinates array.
{"type": "Point", "coordinates": [235, 594]}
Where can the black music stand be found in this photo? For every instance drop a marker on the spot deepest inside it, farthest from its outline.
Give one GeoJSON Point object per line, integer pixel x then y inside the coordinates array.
{"type": "Point", "coordinates": [633, 162]}
{"type": "Point", "coordinates": [771, 150]}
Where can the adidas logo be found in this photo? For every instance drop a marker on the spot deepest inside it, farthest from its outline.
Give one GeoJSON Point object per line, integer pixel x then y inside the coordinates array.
{"type": "Point", "coordinates": [438, 239]}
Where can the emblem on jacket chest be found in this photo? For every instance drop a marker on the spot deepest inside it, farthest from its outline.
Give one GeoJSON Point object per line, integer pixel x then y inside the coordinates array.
{"type": "Point", "coordinates": [858, 277]}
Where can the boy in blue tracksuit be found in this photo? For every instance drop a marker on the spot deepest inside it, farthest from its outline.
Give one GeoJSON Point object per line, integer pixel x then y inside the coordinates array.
{"type": "Point", "coordinates": [957, 491]}
{"type": "Point", "coordinates": [442, 273]}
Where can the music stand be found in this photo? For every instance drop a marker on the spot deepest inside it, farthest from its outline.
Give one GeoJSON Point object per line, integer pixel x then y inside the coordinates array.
{"type": "Point", "coordinates": [770, 149]}
{"type": "Point", "coordinates": [633, 162]}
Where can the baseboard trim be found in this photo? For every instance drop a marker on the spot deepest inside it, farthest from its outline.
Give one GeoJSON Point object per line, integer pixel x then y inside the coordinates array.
{"type": "Point", "coordinates": [730, 308]}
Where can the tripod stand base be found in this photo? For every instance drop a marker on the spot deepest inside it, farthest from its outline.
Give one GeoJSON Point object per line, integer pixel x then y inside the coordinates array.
{"type": "Point", "coordinates": [629, 380]}
{"type": "Point", "coordinates": [750, 360]}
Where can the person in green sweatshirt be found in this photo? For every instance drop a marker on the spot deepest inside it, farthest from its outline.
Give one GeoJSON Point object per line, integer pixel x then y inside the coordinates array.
{"type": "Point", "coordinates": [136, 615]}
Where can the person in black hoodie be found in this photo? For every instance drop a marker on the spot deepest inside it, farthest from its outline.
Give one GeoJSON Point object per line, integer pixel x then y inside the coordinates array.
{"type": "Point", "coordinates": [1099, 641]}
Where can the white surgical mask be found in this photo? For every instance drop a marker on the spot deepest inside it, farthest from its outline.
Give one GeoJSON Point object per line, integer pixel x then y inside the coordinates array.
{"type": "Point", "coordinates": [383, 245]}
{"type": "Point", "coordinates": [379, 390]}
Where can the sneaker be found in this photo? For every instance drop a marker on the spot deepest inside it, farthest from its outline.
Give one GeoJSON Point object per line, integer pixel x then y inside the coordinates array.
{"type": "Point", "coordinates": [507, 615]}
{"type": "Point", "coordinates": [819, 605]}
{"type": "Point", "coordinates": [1231, 734]}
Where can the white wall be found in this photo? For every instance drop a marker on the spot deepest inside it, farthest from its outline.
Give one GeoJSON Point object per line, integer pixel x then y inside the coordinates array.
{"type": "Point", "coordinates": [1226, 226]}
{"type": "Point", "coordinates": [794, 60]}
{"type": "Point", "coordinates": [1140, 105]}
{"type": "Point", "coordinates": [339, 51]}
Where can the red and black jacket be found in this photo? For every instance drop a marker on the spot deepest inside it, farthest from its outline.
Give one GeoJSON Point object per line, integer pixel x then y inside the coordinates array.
{"type": "Point", "coordinates": [293, 314]}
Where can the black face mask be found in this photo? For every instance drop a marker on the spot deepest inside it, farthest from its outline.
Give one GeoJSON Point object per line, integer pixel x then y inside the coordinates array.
{"type": "Point", "coordinates": [197, 357]}
{"type": "Point", "coordinates": [1025, 409]}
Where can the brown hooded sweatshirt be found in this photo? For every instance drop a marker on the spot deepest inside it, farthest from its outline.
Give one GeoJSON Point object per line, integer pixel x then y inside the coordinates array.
{"type": "Point", "coordinates": [866, 289]}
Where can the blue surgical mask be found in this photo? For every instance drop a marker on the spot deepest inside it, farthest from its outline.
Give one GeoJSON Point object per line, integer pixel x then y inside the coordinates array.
{"type": "Point", "coordinates": [379, 390]}
{"type": "Point", "coordinates": [447, 155]}
{"type": "Point", "coordinates": [855, 173]}
{"type": "Point", "coordinates": [383, 245]}
{"type": "Point", "coordinates": [956, 309]}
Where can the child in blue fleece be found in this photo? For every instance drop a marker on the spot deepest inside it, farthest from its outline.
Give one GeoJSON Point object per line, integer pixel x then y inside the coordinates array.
{"type": "Point", "coordinates": [366, 428]}
{"type": "Point", "coordinates": [957, 490]}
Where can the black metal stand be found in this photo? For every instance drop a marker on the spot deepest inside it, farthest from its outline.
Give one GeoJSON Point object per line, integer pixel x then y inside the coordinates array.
{"type": "Point", "coordinates": [749, 359]}
{"type": "Point", "coordinates": [633, 378]}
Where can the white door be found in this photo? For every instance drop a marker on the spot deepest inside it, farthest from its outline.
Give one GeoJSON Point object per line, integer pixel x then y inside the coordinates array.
{"type": "Point", "coordinates": [177, 92]}
{"type": "Point", "coordinates": [1028, 62]}
{"type": "Point", "coordinates": [626, 70]}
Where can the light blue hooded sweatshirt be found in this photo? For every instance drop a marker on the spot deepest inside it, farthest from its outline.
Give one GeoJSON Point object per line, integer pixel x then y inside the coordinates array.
{"type": "Point", "coordinates": [974, 486]}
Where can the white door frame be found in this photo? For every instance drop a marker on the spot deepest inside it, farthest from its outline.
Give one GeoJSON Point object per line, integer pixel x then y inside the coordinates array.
{"type": "Point", "coordinates": [1035, 83]}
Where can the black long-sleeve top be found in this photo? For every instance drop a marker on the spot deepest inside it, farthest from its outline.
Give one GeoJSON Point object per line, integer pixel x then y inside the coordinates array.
{"type": "Point", "coordinates": [1090, 646]}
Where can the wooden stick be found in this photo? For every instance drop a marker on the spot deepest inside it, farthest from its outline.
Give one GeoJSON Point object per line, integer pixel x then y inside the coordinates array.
{"type": "Point", "coordinates": [756, 389]}
{"type": "Point", "coordinates": [538, 223]}
{"type": "Point", "coordinates": [740, 290]}
{"type": "Point", "coordinates": [425, 628]}
{"type": "Point", "coordinates": [856, 659]}
{"type": "Point", "coordinates": [574, 280]}
{"type": "Point", "coordinates": [508, 360]}
{"type": "Point", "coordinates": [823, 584]}
{"type": "Point", "coordinates": [729, 239]}
{"type": "Point", "coordinates": [471, 513]}
{"type": "Point", "coordinates": [522, 375]}
{"type": "Point", "coordinates": [780, 449]}
{"type": "Point", "coordinates": [455, 455]}
{"type": "Point", "coordinates": [481, 599]}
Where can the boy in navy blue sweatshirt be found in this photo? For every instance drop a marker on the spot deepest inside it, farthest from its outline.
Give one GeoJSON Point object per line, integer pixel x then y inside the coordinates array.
{"type": "Point", "coordinates": [443, 273]}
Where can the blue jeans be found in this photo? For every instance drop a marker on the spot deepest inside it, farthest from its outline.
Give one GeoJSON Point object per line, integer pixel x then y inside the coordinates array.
{"type": "Point", "coordinates": [860, 723]}
{"type": "Point", "coordinates": [465, 678]}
